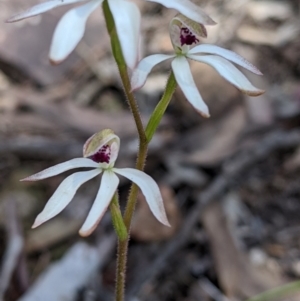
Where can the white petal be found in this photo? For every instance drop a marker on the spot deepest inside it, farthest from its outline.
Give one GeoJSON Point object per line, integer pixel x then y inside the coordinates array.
{"type": "Point", "coordinates": [62, 167]}
{"type": "Point", "coordinates": [227, 54]}
{"type": "Point", "coordinates": [64, 195]}
{"type": "Point", "coordinates": [149, 189]}
{"type": "Point", "coordinates": [39, 9]}
{"type": "Point", "coordinates": [229, 72]}
{"type": "Point", "coordinates": [108, 187]}
{"type": "Point", "coordinates": [144, 67]}
{"type": "Point", "coordinates": [186, 82]}
{"type": "Point", "coordinates": [188, 9]}
{"type": "Point", "coordinates": [127, 19]}
{"type": "Point", "coordinates": [70, 30]}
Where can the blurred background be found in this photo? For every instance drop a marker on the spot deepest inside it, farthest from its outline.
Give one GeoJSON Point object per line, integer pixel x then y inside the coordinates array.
{"type": "Point", "coordinates": [230, 183]}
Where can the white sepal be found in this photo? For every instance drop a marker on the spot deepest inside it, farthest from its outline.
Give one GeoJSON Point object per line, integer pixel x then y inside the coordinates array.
{"type": "Point", "coordinates": [227, 54]}
{"type": "Point", "coordinates": [62, 167]}
{"type": "Point", "coordinates": [149, 189]}
{"type": "Point", "coordinates": [127, 19]}
{"type": "Point", "coordinates": [108, 187]}
{"type": "Point", "coordinates": [64, 195]}
{"type": "Point", "coordinates": [228, 71]}
{"type": "Point", "coordinates": [184, 79]}
{"type": "Point", "coordinates": [70, 30]}
{"type": "Point", "coordinates": [144, 67]}
{"type": "Point", "coordinates": [188, 9]}
{"type": "Point", "coordinates": [39, 9]}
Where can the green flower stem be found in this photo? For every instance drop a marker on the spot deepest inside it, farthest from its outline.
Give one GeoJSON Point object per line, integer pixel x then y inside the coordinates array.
{"type": "Point", "coordinates": [117, 218]}
{"type": "Point", "coordinates": [119, 58]}
{"type": "Point", "coordinates": [128, 214]}
{"type": "Point", "coordinates": [161, 107]}
{"type": "Point", "coordinates": [142, 152]}
{"type": "Point", "coordinates": [143, 143]}
{"type": "Point", "coordinates": [278, 293]}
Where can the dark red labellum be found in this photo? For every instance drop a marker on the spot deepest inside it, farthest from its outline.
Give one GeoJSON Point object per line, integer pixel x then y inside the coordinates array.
{"type": "Point", "coordinates": [102, 155]}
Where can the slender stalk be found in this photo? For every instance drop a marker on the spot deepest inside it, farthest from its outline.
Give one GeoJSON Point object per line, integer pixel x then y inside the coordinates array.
{"type": "Point", "coordinates": [117, 218]}
{"type": "Point", "coordinates": [143, 144]}
{"type": "Point", "coordinates": [119, 58]}
{"type": "Point", "coordinates": [142, 153]}
{"type": "Point", "coordinates": [161, 107]}
{"type": "Point", "coordinates": [123, 245]}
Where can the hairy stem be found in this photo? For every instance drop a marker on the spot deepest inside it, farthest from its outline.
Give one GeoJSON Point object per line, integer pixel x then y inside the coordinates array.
{"type": "Point", "coordinates": [123, 245]}
{"type": "Point", "coordinates": [119, 58]}
{"type": "Point", "coordinates": [143, 144]}
{"type": "Point", "coordinates": [142, 152]}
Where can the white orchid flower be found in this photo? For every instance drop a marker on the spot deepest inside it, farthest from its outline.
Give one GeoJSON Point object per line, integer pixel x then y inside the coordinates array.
{"type": "Point", "coordinates": [100, 153]}
{"type": "Point", "coordinates": [184, 34]}
{"type": "Point", "coordinates": [70, 29]}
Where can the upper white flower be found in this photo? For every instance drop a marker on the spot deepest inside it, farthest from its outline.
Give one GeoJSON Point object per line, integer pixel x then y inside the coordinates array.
{"type": "Point", "coordinates": [100, 153]}
{"type": "Point", "coordinates": [185, 33]}
{"type": "Point", "coordinates": [70, 29]}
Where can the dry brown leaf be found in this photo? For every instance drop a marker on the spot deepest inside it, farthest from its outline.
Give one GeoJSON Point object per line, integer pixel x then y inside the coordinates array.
{"type": "Point", "coordinates": [236, 275]}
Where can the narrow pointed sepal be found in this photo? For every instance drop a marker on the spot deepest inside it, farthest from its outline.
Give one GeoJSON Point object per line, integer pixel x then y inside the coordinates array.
{"type": "Point", "coordinates": [149, 189]}
{"type": "Point", "coordinates": [127, 19]}
{"type": "Point", "coordinates": [40, 9]}
{"type": "Point", "coordinates": [226, 54]}
{"type": "Point", "coordinates": [189, 9]}
{"type": "Point", "coordinates": [228, 71]}
{"type": "Point", "coordinates": [60, 168]}
{"type": "Point", "coordinates": [141, 72]}
{"type": "Point", "coordinates": [184, 79]}
{"type": "Point", "coordinates": [108, 187]}
{"type": "Point", "coordinates": [64, 195]}
{"type": "Point", "coordinates": [70, 30]}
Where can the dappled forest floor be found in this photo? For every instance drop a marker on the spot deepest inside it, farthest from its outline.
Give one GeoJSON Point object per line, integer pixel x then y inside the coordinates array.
{"type": "Point", "coordinates": [230, 183]}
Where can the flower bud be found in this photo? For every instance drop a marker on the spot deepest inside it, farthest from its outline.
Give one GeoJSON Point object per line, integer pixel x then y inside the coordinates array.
{"type": "Point", "coordinates": [185, 32]}
{"type": "Point", "coordinates": [103, 147]}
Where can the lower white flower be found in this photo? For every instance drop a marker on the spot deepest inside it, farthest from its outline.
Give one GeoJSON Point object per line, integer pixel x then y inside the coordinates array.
{"type": "Point", "coordinates": [185, 33]}
{"type": "Point", "coordinates": [100, 153]}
